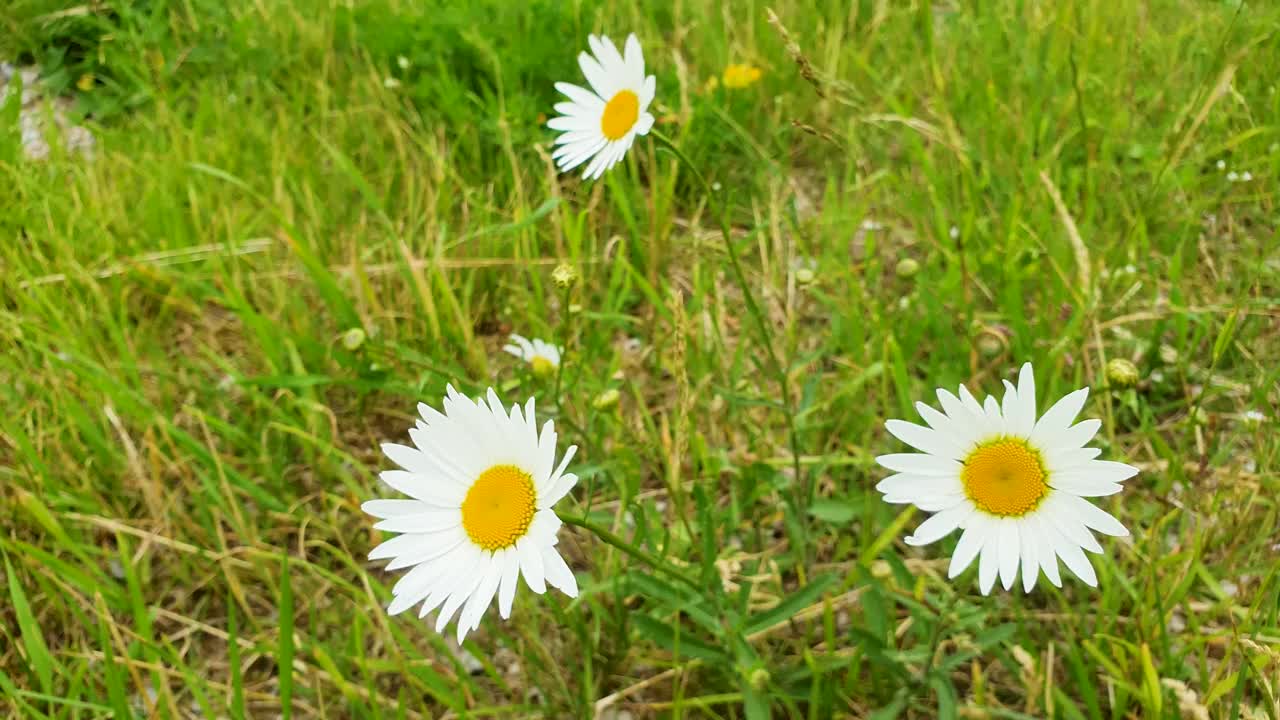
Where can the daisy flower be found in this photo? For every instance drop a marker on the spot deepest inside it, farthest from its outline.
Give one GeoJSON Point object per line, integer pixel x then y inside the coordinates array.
{"type": "Point", "coordinates": [482, 482]}
{"type": "Point", "coordinates": [1014, 483]}
{"type": "Point", "coordinates": [601, 123]}
{"type": "Point", "coordinates": [542, 355]}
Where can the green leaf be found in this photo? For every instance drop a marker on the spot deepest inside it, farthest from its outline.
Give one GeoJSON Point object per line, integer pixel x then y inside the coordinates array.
{"type": "Point", "coordinates": [946, 698]}
{"type": "Point", "coordinates": [1224, 336]}
{"type": "Point", "coordinates": [890, 711]}
{"type": "Point", "coordinates": [37, 652]}
{"type": "Point", "coordinates": [840, 511]}
{"type": "Point", "coordinates": [754, 702]}
{"type": "Point", "coordinates": [678, 641]}
{"type": "Point", "coordinates": [800, 599]}
{"type": "Point", "coordinates": [284, 653]}
{"type": "Point", "coordinates": [112, 671]}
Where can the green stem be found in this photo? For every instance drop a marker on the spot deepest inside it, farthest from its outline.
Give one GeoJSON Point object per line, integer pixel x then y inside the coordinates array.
{"type": "Point", "coordinates": [753, 309]}
{"type": "Point", "coordinates": [565, 330]}
{"type": "Point", "coordinates": [624, 546]}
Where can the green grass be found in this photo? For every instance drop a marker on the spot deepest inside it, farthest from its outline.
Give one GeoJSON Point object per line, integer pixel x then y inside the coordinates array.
{"type": "Point", "coordinates": [185, 439]}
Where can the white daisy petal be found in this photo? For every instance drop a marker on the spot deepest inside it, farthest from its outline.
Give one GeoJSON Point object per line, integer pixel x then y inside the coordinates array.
{"type": "Point", "coordinates": [581, 97]}
{"type": "Point", "coordinates": [1059, 417]}
{"type": "Point", "coordinates": [918, 464]}
{"type": "Point", "coordinates": [1061, 517]}
{"type": "Point", "coordinates": [940, 525]}
{"type": "Point", "coordinates": [483, 483]}
{"type": "Point", "coordinates": [1095, 517]}
{"type": "Point", "coordinates": [479, 601]}
{"type": "Point", "coordinates": [997, 423]}
{"type": "Point", "coordinates": [1030, 555]}
{"type": "Point", "coordinates": [596, 76]}
{"type": "Point", "coordinates": [1072, 438]}
{"type": "Point", "coordinates": [1026, 399]}
{"type": "Point", "coordinates": [1044, 549]}
{"type": "Point", "coordinates": [971, 542]}
{"type": "Point", "coordinates": [925, 439]}
{"type": "Point", "coordinates": [918, 485]}
{"type": "Point", "coordinates": [1077, 562]}
{"type": "Point", "coordinates": [531, 566]}
{"type": "Point", "coordinates": [633, 57]}
{"type": "Point", "coordinates": [510, 579]}
{"type": "Point", "coordinates": [937, 503]}
{"type": "Point", "coordinates": [1062, 460]}
{"type": "Point", "coordinates": [1009, 552]}
{"type": "Point", "coordinates": [989, 560]}
{"type": "Point", "coordinates": [393, 508]}
{"type": "Point", "coordinates": [1109, 471]}
{"type": "Point", "coordinates": [1084, 487]}
{"type": "Point", "coordinates": [558, 573]}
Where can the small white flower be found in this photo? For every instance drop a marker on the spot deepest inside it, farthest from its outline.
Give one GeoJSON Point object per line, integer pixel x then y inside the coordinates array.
{"type": "Point", "coordinates": [1222, 164]}
{"type": "Point", "coordinates": [1014, 483]}
{"type": "Point", "coordinates": [541, 355]}
{"type": "Point", "coordinates": [1246, 176]}
{"type": "Point", "coordinates": [954, 232]}
{"type": "Point", "coordinates": [600, 124]}
{"type": "Point", "coordinates": [390, 83]}
{"type": "Point", "coordinates": [1253, 417]}
{"type": "Point", "coordinates": [483, 482]}
{"type": "Point", "coordinates": [1233, 176]}
{"type": "Point", "coordinates": [403, 62]}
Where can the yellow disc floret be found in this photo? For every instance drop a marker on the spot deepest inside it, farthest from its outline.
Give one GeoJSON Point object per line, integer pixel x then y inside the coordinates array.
{"type": "Point", "coordinates": [1005, 477]}
{"type": "Point", "coordinates": [499, 507]}
{"type": "Point", "coordinates": [620, 115]}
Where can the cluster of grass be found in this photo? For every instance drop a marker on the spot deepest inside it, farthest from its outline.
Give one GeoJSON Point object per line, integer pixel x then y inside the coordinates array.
{"type": "Point", "coordinates": [933, 194]}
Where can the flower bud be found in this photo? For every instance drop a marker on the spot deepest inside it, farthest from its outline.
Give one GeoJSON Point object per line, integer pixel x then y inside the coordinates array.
{"type": "Point", "coordinates": [564, 275]}
{"type": "Point", "coordinates": [1122, 373]}
{"type": "Point", "coordinates": [353, 338]}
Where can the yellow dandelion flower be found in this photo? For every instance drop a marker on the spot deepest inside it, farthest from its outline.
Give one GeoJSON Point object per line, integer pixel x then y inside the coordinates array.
{"type": "Point", "coordinates": [738, 76]}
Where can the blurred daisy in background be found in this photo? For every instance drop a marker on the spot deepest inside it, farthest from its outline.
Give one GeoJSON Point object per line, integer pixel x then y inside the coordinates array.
{"type": "Point", "coordinates": [542, 356]}
{"type": "Point", "coordinates": [600, 124]}
{"type": "Point", "coordinates": [482, 482]}
{"type": "Point", "coordinates": [1014, 484]}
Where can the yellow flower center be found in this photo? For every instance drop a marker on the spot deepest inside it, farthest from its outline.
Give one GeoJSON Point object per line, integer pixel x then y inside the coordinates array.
{"type": "Point", "coordinates": [542, 367]}
{"type": "Point", "coordinates": [620, 114]}
{"type": "Point", "coordinates": [499, 507]}
{"type": "Point", "coordinates": [1005, 477]}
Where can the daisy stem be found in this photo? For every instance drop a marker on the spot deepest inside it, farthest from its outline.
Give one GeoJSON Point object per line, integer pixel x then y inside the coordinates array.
{"type": "Point", "coordinates": [629, 549]}
{"type": "Point", "coordinates": [762, 324]}
{"type": "Point", "coordinates": [564, 341]}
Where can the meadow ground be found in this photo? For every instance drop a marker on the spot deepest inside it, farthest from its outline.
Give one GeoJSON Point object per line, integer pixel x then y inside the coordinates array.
{"type": "Point", "coordinates": [288, 236]}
